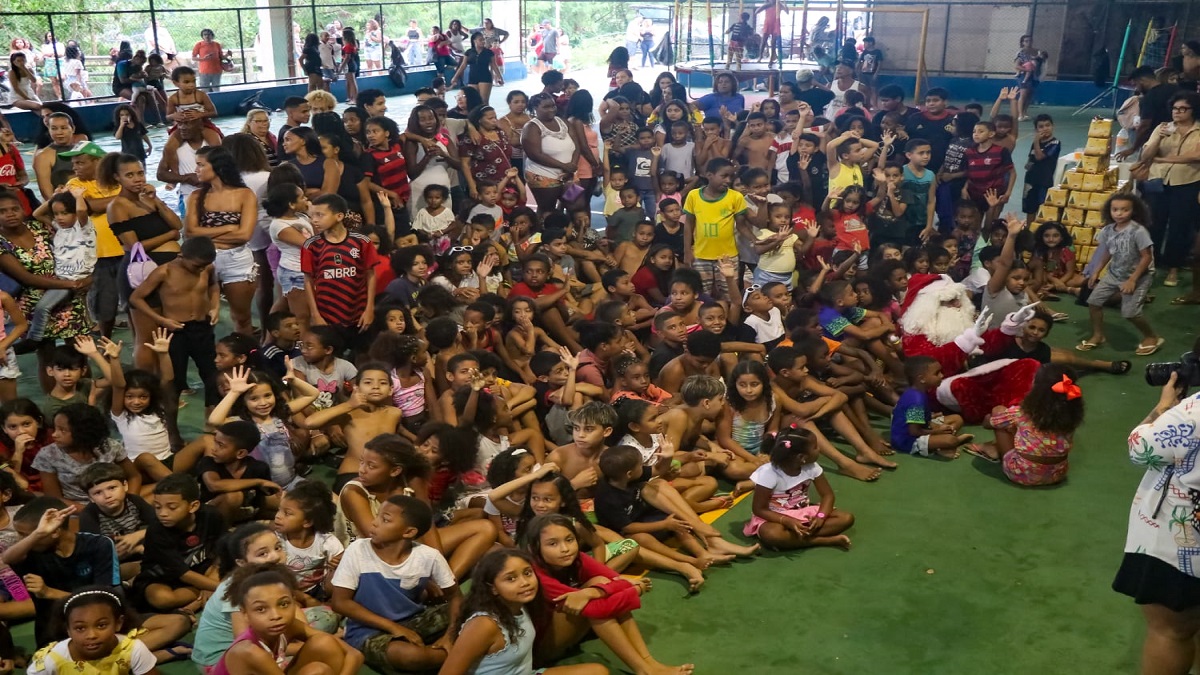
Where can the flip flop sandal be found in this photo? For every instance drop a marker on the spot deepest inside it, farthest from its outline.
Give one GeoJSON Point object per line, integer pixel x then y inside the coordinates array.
{"type": "Point", "coordinates": [1120, 367]}
{"type": "Point", "coordinates": [1185, 300]}
{"type": "Point", "coordinates": [175, 650]}
{"type": "Point", "coordinates": [1147, 350]}
{"type": "Point", "coordinates": [976, 450]}
{"type": "Point", "coordinates": [1059, 317]}
{"type": "Point", "coordinates": [1086, 346]}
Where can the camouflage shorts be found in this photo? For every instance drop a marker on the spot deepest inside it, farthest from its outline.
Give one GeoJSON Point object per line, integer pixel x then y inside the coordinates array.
{"type": "Point", "coordinates": [429, 624]}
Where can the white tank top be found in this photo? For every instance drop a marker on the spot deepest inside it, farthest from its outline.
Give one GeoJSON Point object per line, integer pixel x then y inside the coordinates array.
{"type": "Point", "coordinates": [557, 144]}
{"type": "Point", "coordinates": [839, 97]}
{"type": "Point", "coordinates": [186, 155]}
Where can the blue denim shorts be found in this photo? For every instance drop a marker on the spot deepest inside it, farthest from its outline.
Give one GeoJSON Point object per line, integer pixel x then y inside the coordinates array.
{"type": "Point", "coordinates": [289, 280]}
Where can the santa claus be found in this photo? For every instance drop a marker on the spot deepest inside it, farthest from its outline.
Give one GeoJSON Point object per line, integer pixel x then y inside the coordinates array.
{"type": "Point", "coordinates": [938, 320]}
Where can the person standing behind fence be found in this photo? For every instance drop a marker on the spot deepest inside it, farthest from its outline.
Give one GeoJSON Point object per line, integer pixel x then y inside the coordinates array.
{"type": "Point", "coordinates": [373, 45]}
{"type": "Point", "coordinates": [350, 64]}
{"type": "Point", "coordinates": [207, 55]}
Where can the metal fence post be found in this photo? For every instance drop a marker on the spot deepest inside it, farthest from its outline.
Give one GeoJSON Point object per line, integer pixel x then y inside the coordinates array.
{"type": "Point", "coordinates": [1032, 17]}
{"type": "Point", "coordinates": [57, 62]}
{"type": "Point", "coordinates": [315, 26]}
{"type": "Point", "coordinates": [385, 52]}
{"type": "Point", "coordinates": [154, 29]}
{"type": "Point", "coordinates": [441, 20]}
{"type": "Point", "coordinates": [945, 37]}
{"type": "Point", "coordinates": [242, 46]}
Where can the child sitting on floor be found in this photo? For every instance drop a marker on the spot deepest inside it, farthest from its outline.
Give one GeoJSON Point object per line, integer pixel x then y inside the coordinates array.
{"type": "Point", "coordinates": [1034, 438]}
{"type": "Point", "coordinates": [915, 429]}
{"type": "Point", "coordinates": [783, 517]}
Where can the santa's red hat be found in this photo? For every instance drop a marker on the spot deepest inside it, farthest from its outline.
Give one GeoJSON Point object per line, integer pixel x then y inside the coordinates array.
{"type": "Point", "coordinates": [920, 282]}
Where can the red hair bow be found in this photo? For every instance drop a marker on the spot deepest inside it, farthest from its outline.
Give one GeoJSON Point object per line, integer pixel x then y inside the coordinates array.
{"type": "Point", "coordinates": [1067, 388]}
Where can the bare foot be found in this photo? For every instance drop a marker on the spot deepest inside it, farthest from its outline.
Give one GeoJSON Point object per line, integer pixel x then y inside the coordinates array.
{"type": "Point", "coordinates": [862, 472]}
{"type": "Point", "coordinates": [694, 576]}
{"type": "Point", "coordinates": [719, 544]}
{"type": "Point", "coordinates": [742, 488]}
{"type": "Point", "coordinates": [947, 453]}
{"type": "Point", "coordinates": [990, 450]}
{"type": "Point", "coordinates": [840, 541]}
{"type": "Point", "coordinates": [709, 559]}
{"type": "Point", "coordinates": [657, 668]}
{"type": "Point", "coordinates": [872, 457]}
{"type": "Point", "coordinates": [963, 439]}
{"type": "Point", "coordinates": [885, 449]}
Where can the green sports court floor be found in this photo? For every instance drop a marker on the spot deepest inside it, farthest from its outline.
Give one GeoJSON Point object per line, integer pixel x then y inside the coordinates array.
{"type": "Point", "coordinates": [953, 570]}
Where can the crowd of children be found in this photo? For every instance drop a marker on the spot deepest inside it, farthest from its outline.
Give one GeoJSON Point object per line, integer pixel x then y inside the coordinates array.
{"type": "Point", "coordinates": [514, 397]}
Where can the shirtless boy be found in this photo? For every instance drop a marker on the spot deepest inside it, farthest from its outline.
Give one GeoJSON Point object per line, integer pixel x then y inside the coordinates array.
{"type": "Point", "coordinates": [700, 358]}
{"type": "Point", "coordinates": [683, 426]}
{"type": "Point", "coordinates": [755, 147]}
{"type": "Point", "coordinates": [579, 462]}
{"type": "Point", "coordinates": [631, 254]}
{"type": "Point", "coordinates": [367, 414]}
{"type": "Point", "coordinates": [800, 395]}
{"type": "Point", "coordinates": [190, 301]}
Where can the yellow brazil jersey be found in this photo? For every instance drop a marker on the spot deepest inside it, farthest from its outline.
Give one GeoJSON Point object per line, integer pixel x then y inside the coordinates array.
{"type": "Point", "coordinates": [107, 244]}
{"type": "Point", "coordinates": [714, 223]}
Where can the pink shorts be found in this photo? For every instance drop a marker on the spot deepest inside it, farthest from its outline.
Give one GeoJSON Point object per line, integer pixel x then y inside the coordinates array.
{"type": "Point", "coordinates": [803, 515]}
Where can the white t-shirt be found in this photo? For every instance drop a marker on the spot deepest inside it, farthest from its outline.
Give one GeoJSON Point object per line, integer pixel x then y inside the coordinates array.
{"type": "Point", "coordinates": [427, 222]}
{"type": "Point", "coordinates": [648, 453]}
{"type": "Point", "coordinates": [74, 251]}
{"type": "Point", "coordinates": [977, 280]}
{"type": "Point", "coordinates": [494, 211]}
{"type": "Point", "coordinates": [289, 254]}
{"type": "Point", "coordinates": [143, 434]}
{"type": "Point", "coordinates": [309, 563]}
{"type": "Point", "coordinates": [141, 660]}
{"type": "Point", "coordinates": [257, 181]}
{"type": "Point", "coordinates": [391, 591]}
{"type": "Point", "coordinates": [766, 330]}
{"type": "Point", "coordinates": [787, 492]}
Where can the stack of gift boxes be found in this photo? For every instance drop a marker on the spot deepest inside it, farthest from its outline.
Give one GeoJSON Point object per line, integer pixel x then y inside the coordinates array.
{"type": "Point", "coordinates": [1078, 202]}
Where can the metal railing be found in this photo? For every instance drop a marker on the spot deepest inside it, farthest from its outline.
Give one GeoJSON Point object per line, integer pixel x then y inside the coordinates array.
{"type": "Point", "coordinates": [963, 37]}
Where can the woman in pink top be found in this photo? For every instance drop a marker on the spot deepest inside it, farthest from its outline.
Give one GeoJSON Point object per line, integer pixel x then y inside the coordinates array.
{"type": "Point", "coordinates": [579, 124]}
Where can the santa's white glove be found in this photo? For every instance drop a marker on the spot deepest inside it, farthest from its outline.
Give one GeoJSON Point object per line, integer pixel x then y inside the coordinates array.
{"type": "Point", "coordinates": [971, 339]}
{"type": "Point", "coordinates": [1015, 321]}
{"type": "Point", "coordinates": [983, 321]}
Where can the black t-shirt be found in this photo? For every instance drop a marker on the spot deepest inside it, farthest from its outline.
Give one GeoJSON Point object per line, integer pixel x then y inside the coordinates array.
{"type": "Point", "coordinates": [1156, 104]}
{"type": "Point", "coordinates": [255, 469]}
{"type": "Point", "coordinates": [312, 60]}
{"type": "Point", "coordinates": [92, 563]}
{"type": "Point", "coordinates": [1041, 171]}
{"type": "Point", "coordinates": [816, 98]}
{"type": "Point", "coordinates": [663, 354]}
{"type": "Point", "coordinates": [171, 553]}
{"type": "Point", "coordinates": [675, 241]}
{"type": "Point", "coordinates": [937, 130]}
{"type": "Point", "coordinates": [739, 332]}
{"type": "Point", "coordinates": [617, 508]}
{"type": "Point", "coordinates": [818, 176]}
{"type": "Point", "coordinates": [1040, 353]}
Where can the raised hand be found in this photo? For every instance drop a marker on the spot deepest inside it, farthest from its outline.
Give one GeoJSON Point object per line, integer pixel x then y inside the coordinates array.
{"type": "Point", "coordinates": [728, 266]}
{"type": "Point", "coordinates": [112, 349]}
{"type": "Point", "coordinates": [478, 381]}
{"type": "Point", "coordinates": [992, 198]}
{"type": "Point", "coordinates": [983, 321]}
{"type": "Point", "coordinates": [547, 468]}
{"type": "Point", "coordinates": [160, 341]}
{"type": "Point", "coordinates": [568, 358]}
{"type": "Point", "coordinates": [84, 344]}
{"type": "Point", "coordinates": [53, 519]}
{"type": "Point", "coordinates": [239, 380]}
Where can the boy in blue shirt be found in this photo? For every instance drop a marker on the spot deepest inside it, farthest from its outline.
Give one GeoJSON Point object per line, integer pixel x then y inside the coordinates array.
{"type": "Point", "coordinates": [380, 587]}
{"type": "Point", "coordinates": [917, 188]}
{"type": "Point", "coordinates": [914, 430]}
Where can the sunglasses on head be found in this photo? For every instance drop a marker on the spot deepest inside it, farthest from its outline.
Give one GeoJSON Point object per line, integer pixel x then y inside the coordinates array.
{"type": "Point", "coordinates": [461, 249]}
{"type": "Point", "coordinates": [750, 289]}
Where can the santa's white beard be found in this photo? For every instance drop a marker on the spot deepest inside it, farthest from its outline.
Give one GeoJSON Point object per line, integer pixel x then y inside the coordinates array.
{"type": "Point", "coordinates": [940, 324]}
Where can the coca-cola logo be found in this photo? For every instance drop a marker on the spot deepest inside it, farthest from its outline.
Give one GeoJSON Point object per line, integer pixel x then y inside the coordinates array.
{"type": "Point", "coordinates": [8, 170]}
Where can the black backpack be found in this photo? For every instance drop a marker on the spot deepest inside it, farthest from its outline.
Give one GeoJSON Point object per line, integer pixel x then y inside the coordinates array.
{"type": "Point", "coordinates": [396, 72]}
{"type": "Point", "coordinates": [251, 102]}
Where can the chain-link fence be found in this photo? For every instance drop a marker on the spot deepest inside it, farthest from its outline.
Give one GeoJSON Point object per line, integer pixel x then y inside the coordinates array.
{"type": "Point", "coordinates": [961, 38]}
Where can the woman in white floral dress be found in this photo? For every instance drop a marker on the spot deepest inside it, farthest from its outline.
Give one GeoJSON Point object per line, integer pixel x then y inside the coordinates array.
{"type": "Point", "coordinates": [1161, 566]}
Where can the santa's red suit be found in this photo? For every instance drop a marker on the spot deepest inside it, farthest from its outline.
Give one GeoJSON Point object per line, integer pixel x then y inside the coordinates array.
{"type": "Point", "coordinates": [937, 320]}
